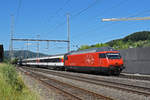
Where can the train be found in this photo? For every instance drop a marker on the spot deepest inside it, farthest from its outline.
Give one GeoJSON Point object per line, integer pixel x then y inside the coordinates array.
{"type": "Point", "coordinates": [1, 53]}
{"type": "Point", "coordinates": [98, 60]}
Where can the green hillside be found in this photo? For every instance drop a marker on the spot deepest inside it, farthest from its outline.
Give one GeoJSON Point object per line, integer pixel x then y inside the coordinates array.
{"type": "Point", "coordinates": [137, 39]}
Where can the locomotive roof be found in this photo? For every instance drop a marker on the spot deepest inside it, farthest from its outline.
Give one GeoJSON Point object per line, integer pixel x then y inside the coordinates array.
{"type": "Point", "coordinates": [93, 50]}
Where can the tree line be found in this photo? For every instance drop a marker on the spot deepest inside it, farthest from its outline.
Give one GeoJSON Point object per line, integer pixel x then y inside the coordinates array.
{"type": "Point", "coordinates": [137, 39]}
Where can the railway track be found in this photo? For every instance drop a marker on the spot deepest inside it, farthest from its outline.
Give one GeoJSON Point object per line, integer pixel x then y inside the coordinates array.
{"type": "Point", "coordinates": [106, 83]}
{"type": "Point", "coordinates": [70, 91]}
{"type": "Point", "coordinates": [145, 78]}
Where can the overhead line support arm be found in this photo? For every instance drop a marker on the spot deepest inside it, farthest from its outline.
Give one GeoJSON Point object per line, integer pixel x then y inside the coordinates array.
{"type": "Point", "coordinates": [125, 19]}
{"type": "Point", "coordinates": [40, 40]}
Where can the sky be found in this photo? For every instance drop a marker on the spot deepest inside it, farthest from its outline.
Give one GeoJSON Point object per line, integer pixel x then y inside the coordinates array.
{"type": "Point", "coordinates": [47, 19]}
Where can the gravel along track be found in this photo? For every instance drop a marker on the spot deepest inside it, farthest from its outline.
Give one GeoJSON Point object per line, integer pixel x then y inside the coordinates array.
{"type": "Point", "coordinates": [73, 92]}
{"type": "Point", "coordinates": [123, 87]}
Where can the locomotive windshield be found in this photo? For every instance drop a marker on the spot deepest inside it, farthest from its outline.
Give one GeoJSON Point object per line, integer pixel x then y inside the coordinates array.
{"type": "Point", "coordinates": [113, 55]}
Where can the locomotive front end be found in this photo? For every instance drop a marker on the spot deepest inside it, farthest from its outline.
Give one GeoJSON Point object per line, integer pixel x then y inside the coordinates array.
{"type": "Point", "coordinates": [115, 62]}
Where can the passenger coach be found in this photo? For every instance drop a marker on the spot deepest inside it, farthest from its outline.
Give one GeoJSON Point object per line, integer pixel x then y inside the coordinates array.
{"type": "Point", "coordinates": [51, 62]}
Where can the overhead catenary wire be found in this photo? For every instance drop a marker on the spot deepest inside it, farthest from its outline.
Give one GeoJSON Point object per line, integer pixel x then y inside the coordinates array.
{"type": "Point", "coordinates": [62, 7]}
{"type": "Point", "coordinates": [18, 10]}
{"type": "Point", "coordinates": [108, 10]}
{"type": "Point", "coordinates": [75, 15]}
{"type": "Point", "coordinates": [79, 13]}
{"type": "Point", "coordinates": [139, 13]}
{"type": "Point", "coordinates": [134, 15]}
{"type": "Point", "coordinates": [85, 9]}
{"type": "Point", "coordinates": [104, 12]}
{"type": "Point", "coordinates": [59, 9]}
{"type": "Point", "coordinates": [19, 6]}
{"type": "Point", "coordinates": [113, 7]}
{"type": "Point", "coordinates": [112, 23]}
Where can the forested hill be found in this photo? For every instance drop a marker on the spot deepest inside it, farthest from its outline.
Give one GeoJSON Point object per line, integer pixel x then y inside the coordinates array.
{"type": "Point", "coordinates": [137, 39]}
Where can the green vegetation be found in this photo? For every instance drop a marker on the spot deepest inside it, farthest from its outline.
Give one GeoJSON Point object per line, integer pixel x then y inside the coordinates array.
{"type": "Point", "coordinates": [137, 39]}
{"type": "Point", "coordinates": [12, 86]}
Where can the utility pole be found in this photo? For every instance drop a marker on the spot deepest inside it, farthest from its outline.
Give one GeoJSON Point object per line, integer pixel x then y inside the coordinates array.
{"type": "Point", "coordinates": [11, 37]}
{"type": "Point", "coordinates": [68, 31]}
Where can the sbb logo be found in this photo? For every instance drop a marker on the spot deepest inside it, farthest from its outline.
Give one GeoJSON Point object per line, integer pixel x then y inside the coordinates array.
{"type": "Point", "coordinates": [89, 59]}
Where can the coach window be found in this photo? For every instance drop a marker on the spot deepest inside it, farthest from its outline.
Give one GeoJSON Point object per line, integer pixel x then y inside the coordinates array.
{"type": "Point", "coordinates": [102, 55]}
{"type": "Point", "coordinates": [48, 60]}
{"type": "Point", "coordinates": [57, 60]}
{"type": "Point", "coordinates": [53, 60]}
{"type": "Point", "coordinates": [42, 60]}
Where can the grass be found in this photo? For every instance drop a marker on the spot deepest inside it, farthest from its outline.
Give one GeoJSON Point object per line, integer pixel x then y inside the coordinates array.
{"type": "Point", "coordinates": [12, 86]}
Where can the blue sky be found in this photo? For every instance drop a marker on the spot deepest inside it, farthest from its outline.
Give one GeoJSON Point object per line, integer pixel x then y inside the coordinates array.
{"type": "Point", "coordinates": [47, 18]}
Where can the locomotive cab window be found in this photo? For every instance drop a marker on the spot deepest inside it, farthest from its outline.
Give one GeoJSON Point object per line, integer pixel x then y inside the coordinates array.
{"type": "Point", "coordinates": [102, 55]}
{"type": "Point", "coordinates": [113, 55]}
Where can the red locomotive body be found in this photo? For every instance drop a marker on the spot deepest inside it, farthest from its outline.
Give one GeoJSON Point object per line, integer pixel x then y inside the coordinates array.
{"type": "Point", "coordinates": [103, 59]}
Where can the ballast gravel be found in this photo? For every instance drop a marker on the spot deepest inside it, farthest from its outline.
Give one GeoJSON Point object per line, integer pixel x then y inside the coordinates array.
{"type": "Point", "coordinates": [48, 94]}
{"type": "Point", "coordinates": [110, 92]}
{"type": "Point", "coordinates": [41, 90]}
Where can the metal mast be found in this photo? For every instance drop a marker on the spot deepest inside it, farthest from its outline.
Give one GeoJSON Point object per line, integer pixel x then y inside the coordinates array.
{"type": "Point", "coordinates": [68, 31]}
{"type": "Point", "coordinates": [11, 37]}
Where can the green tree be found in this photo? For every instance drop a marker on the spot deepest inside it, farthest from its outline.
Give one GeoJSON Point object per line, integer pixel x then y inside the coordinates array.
{"type": "Point", "coordinates": [84, 47]}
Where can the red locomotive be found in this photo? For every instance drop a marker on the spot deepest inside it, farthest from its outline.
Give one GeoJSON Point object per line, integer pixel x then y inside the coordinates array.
{"type": "Point", "coordinates": [104, 59]}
